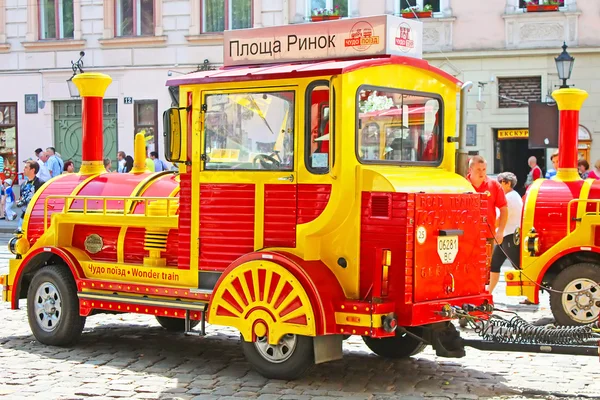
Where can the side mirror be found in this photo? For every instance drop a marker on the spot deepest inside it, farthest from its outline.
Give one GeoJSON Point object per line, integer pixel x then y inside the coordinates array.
{"type": "Point", "coordinates": [172, 135]}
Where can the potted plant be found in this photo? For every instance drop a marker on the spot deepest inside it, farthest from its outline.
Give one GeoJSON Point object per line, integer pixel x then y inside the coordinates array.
{"type": "Point", "coordinates": [416, 12]}
{"type": "Point", "coordinates": [542, 5]}
{"type": "Point", "coordinates": [325, 14]}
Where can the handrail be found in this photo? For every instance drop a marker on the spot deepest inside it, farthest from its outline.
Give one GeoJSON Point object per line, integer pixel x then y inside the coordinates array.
{"type": "Point", "coordinates": [128, 201]}
{"type": "Point", "coordinates": [571, 202]}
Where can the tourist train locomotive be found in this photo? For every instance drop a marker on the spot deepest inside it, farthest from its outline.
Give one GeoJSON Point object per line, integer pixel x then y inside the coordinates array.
{"type": "Point", "coordinates": [561, 231]}
{"type": "Point", "coordinates": [316, 198]}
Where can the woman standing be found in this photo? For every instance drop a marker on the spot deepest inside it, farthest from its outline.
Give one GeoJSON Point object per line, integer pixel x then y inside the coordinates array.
{"type": "Point", "coordinates": [583, 166]}
{"type": "Point", "coordinates": [69, 167]}
{"type": "Point", "coordinates": [107, 164]}
{"type": "Point", "coordinates": [595, 173]}
{"type": "Point", "coordinates": [507, 180]}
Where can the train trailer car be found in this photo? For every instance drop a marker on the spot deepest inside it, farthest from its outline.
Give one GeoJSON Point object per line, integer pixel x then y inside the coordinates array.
{"type": "Point", "coordinates": [316, 198]}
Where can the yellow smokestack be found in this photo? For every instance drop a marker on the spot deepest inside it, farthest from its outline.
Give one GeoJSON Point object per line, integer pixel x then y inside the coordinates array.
{"type": "Point", "coordinates": [139, 154]}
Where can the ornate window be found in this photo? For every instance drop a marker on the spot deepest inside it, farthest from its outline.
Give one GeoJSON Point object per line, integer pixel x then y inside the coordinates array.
{"type": "Point", "coordinates": [341, 6]}
{"type": "Point", "coordinates": [134, 17]}
{"type": "Point", "coordinates": [439, 7]}
{"type": "Point", "coordinates": [224, 15]}
{"type": "Point", "coordinates": [421, 4]}
{"type": "Point", "coordinates": [56, 19]}
{"type": "Point", "coordinates": [523, 3]}
{"type": "Point", "coordinates": [519, 6]}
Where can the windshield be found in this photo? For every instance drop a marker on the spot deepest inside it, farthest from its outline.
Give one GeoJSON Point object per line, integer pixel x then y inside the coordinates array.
{"type": "Point", "coordinates": [394, 126]}
{"type": "Point", "coordinates": [249, 131]}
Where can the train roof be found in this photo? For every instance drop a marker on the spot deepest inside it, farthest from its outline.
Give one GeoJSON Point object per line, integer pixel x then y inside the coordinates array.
{"type": "Point", "coordinates": [301, 70]}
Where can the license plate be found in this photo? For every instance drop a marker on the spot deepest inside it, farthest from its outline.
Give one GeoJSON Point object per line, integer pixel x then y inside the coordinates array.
{"type": "Point", "coordinates": [447, 248]}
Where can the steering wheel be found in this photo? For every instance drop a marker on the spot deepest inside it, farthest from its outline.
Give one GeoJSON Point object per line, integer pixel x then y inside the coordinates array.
{"type": "Point", "coordinates": [266, 161]}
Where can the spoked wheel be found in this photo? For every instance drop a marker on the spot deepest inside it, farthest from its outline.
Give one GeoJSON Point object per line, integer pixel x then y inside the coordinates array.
{"type": "Point", "coordinates": [53, 307]}
{"type": "Point", "coordinates": [402, 345]}
{"type": "Point", "coordinates": [175, 324]}
{"type": "Point", "coordinates": [579, 302]}
{"type": "Point", "coordinates": [286, 360]}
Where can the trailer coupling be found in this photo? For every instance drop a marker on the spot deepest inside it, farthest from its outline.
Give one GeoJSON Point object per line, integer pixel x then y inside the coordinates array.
{"type": "Point", "coordinates": [518, 335]}
{"type": "Point", "coordinates": [533, 348]}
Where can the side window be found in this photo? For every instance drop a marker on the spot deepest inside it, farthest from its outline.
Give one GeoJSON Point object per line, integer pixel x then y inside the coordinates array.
{"type": "Point", "coordinates": [317, 128]}
{"type": "Point", "coordinates": [249, 131]}
{"type": "Point", "coordinates": [396, 126]}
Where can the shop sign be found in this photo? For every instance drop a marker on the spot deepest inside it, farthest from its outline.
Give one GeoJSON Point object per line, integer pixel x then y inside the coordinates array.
{"type": "Point", "coordinates": [504, 134]}
{"type": "Point", "coordinates": [343, 38]}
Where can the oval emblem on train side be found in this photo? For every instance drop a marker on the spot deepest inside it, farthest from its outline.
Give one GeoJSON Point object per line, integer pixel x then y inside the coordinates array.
{"type": "Point", "coordinates": [93, 243]}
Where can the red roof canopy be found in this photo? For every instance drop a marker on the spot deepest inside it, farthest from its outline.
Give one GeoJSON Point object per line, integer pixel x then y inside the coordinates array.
{"type": "Point", "coordinates": [301, 70]}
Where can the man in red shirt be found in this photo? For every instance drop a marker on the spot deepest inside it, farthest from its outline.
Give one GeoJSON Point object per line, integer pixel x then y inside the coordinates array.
{"type": "Point", "coordinates": [496, 199]}
{"type": "Point", "coordinates": [534, 173]}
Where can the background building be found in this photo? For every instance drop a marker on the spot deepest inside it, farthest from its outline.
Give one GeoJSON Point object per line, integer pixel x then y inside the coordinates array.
{"type": "Point", "coordinates": [507, 52]}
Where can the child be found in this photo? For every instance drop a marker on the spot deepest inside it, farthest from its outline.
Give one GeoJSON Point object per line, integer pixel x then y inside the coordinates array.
{"type": "Point", "coordinates": [2, 201]}
{"type": "Point", "coordinates": [10, 200]}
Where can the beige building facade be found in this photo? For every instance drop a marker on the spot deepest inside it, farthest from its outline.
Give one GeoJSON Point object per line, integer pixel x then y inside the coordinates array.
{"type": "Point", "coordinates": [506, 51]}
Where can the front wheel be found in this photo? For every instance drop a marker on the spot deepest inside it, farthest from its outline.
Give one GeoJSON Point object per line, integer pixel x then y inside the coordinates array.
{"type": "Point", "coordinates": [287, 360]}
{"type": "Point", "coordinates": [402, 345]}
{"type": "Point", "coordinates": [53, 307]}
{"type": "Point", "coordinates": [575, 299]}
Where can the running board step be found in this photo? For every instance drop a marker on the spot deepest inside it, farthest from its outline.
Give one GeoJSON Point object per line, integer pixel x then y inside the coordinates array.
{"type": "Point", "coordinates": [144, 301]}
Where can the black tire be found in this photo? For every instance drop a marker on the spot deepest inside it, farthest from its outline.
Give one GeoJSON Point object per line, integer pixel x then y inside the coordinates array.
{"type": "Point", "coordinates": [53, 289]}
{"type": "Point", "coordinates": [175, 324]}
{"type": "Point", "coordinates": [576, 308]}
{"type": "Point", "coordinates": [400, 346]}
{"type": "Point", "coordinates": [299, 360]}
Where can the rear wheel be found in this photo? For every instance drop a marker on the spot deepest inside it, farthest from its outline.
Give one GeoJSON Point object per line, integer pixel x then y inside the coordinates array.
{"type": "Point", "coordinates": [53, 307]}
{"type": "Point", "coordinates": [402, 345]}
{"type": "Point", "coordinates": [286, 360]}
{"type": "Point", "coordinates": [175, 324]}
{"type": "Point", "coordinates": [579, 302]}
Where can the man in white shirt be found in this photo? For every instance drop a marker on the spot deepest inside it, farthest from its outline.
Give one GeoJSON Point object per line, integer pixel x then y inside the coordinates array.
{"type": "Point", "coordinates": [43, 173]}
{"type": "Point", "coordinates": [507, 180]}
{"type": "Point", "coordinates": [121, 162]}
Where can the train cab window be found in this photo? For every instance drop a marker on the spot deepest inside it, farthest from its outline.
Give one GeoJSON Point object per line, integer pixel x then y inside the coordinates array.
{"type": "Point", "coordinates": [317, 128]}
{"type": "Point", "coordinates": [249, 131]}
{"type": "Point", "coordinates": [399, 127]}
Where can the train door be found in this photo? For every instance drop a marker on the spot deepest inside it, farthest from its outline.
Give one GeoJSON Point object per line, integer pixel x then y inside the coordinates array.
{"type": "Point", "coordinates": [247, 179]}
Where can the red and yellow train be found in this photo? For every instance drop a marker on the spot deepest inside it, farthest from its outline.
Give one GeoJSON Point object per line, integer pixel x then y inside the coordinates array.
{"type": "Point", "coordinates": [560, 249]}
{"type": "Point", "coordinates": [316, 198]}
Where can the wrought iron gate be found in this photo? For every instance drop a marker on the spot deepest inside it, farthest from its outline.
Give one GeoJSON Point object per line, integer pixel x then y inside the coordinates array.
{"type": "Point", "coordinates": [67, 131]}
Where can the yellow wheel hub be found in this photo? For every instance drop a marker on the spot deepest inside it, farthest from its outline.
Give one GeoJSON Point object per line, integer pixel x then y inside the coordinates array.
{"type": "Point", "coordinates": [261, 298]}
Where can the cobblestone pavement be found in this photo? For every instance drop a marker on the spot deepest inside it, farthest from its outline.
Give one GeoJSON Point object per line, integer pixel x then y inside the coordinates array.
{"type": "Point", "coordinates": [130, 356]}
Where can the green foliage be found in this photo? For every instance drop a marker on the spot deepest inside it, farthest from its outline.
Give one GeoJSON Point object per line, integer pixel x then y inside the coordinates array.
{"type": "Point", "coordinates": [426, 8]}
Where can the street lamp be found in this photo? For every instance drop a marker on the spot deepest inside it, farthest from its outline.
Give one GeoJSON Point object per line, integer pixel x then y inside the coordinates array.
{"type": "Point", "coordinates": [564, 65]}
{"type": "Point", "coordinates": [76, 66]}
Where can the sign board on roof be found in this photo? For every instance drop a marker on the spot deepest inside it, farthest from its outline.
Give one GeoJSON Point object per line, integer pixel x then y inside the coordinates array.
{"type": "Point", "coordinates": [343, 38]}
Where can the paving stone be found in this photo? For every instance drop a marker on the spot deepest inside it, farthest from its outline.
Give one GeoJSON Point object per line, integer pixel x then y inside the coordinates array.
{"type": "Point", "coordinates": [128, 356]}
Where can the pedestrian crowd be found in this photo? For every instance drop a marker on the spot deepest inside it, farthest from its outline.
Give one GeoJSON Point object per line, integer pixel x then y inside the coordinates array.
{"type": "Point", "coordinates": [49, 164]}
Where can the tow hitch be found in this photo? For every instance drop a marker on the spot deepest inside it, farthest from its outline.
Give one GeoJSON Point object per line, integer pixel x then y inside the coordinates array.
{"type": "Point", "coordinates": [516, 334]}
